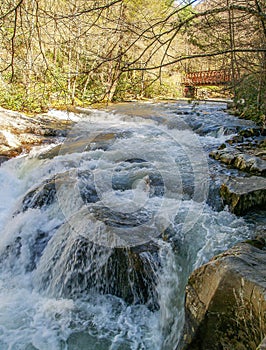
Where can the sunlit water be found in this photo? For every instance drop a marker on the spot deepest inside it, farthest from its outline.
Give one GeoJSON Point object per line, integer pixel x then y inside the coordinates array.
{"type": "Point", "coordinates": [136, 175]}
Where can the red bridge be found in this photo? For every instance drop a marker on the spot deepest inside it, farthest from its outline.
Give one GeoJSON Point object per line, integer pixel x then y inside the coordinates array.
{"type": "Point", "coordinates": [209, 77]}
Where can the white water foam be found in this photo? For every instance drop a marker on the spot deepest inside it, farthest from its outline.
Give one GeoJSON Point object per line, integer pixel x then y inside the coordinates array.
{"type": "Point", "coordinates": [30, 319]}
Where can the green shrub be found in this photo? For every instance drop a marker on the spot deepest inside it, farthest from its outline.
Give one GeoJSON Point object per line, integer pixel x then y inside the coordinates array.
{"type": "Point", "coordinates": [247, 100]}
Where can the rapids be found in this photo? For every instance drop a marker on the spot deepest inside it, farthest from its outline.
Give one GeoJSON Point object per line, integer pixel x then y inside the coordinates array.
{"type": "Point", "coordinates": [100, 231]}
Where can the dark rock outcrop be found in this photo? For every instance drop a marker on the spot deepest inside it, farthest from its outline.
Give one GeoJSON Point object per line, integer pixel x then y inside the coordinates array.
{"type": "Point", "coordinates": [226, 300]}
{"type": "Point", "coordinates": [46, 193]}
{"type": "Point", "coordinates": [85, 142]}
{"type": "Point", "coordinates": [243, 194]}
{"type": "Point", "coordinates": [73, 260]}
{"type": "Point", "coordinates": [245, 152]}
{"type": "Point", "coordinates": [80, 266]}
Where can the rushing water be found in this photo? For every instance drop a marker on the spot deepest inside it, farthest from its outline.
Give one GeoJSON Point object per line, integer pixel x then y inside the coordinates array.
{"type": "Point", "coordinates": [100, 232]}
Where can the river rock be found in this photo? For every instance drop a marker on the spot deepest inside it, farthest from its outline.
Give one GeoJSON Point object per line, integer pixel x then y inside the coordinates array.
{"type": "Point", "coordinates": [244, 151]}
{"type": "Point", "coordinates": [254, 163]}
{"type": "Point", "coordinates": [73, 260]}
{"type": "Point", "coordinates": [225, 305]}
{"type": "Point", "coordinates": [73, 266]}
{"type": "Point", "coordinates": [18, 132]}
{"type": "Point", "coordinates": [85, 142]}
{"type": "Point", "coordinates": [243, 194]}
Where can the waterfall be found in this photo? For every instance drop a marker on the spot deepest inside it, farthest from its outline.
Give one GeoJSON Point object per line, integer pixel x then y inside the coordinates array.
{"type": "Point", "coordinates": [100, 233]}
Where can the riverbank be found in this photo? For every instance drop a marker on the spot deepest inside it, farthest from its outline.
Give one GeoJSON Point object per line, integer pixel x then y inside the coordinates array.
{"type": "Point", "coordinates": [19, 133]}
{"type": "Point", "coordinates": [225, 298]}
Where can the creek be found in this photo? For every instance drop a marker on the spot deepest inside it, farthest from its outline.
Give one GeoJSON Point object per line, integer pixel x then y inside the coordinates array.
{"type": "Point", "coordinates": [100, 231]}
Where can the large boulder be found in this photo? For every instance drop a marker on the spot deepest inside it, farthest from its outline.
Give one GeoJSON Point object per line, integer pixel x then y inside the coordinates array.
{"type": "Point", "coordinates": [243, 194]}
{"type": "Point", "coordinates": [79, 267]}
{"type": "Point", "coordinates": [225, 305]}
{"type": "Point", "coordinates": [85, 252]}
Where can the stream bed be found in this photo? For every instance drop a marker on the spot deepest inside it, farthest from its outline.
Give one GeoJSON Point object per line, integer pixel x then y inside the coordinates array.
{"type": "Point", "coordinates": [100, 232]}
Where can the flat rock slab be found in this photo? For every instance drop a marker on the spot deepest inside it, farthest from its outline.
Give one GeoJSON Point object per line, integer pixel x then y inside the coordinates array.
{"type": "Point", "coordinates": [244, 194]}
{"type": "Point", "coordinates": [226, 300]}
{"type": "Point", "coordinates": [255, 164]}
{"type": "Point", "coordinates": [18, 132]}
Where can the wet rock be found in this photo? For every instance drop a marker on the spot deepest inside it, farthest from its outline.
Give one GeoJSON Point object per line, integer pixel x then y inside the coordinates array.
{"type": "Point", "coordinates": [242, 161]}
{"type": "Point", "coordinates": [250, 132]}
{"type": "Point", "coordinates": [86, 187]}
{"type": "Point", "coordinates": [243, 194]}
{"type": "Point", "coordinates": [78, 266]}
{"type": "Point", "coordinates": [51, 153]}
{"type": "Point", "coordinates": [245, 151]}
{"type": "Point", "coordinates": [225, 156]}
{"type": "Point", "coordinates": [226, 301]}
{"type": "Point", "coordinates": [235, 139]}
{"type": "Point", "coordinates": [11, 252]}
{"type": "Point", "coordinates": [85, 142]}
{"type": "Point", "coordinates": [262, 144]}
{"type": "Point", "coordinates": [222, 146]}
{"type": "Point", "coordinates": [40, 196]}
{"type": "Point", "coordinates": [250, 163]}
{"type": "Point", "coordinates": [129, 172]}
{"type": "Point", "coordinates": [45, 194]}
{"type": "Point", "coordinates": [211, 130]}
{"type": "Point", "coordinates": [3, 159]}
{"type": "Point", "coordinates": [120, 219]}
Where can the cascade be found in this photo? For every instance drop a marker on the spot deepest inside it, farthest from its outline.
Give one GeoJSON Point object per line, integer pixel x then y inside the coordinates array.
{"type": "Point", "coordinates": [100, 232]}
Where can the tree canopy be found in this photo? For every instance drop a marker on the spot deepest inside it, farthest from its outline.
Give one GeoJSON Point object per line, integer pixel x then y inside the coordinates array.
{"type": "Point", "coordinates": [82, 52]}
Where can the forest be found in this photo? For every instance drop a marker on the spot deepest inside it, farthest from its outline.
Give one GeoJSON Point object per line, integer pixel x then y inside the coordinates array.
{"type": "Point", "coordinates": [82, 52]}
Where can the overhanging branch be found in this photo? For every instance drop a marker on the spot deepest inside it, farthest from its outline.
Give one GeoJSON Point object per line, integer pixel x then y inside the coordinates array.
{"type": "Point", "coordinates": [199, 55]}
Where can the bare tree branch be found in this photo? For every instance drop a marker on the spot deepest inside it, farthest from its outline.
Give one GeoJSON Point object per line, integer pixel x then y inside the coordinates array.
{"type": "Point", "coordinates": [12, 9]}
{"type": "Point", "coordinates": [199, 55]}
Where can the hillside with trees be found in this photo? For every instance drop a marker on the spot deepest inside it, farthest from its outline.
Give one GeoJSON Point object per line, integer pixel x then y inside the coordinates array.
{"type": "Point", "coordinates": [82, 52]}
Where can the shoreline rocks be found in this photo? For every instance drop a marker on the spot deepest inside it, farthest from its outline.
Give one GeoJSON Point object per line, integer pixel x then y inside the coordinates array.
{"type": "Point", "coordinates": [244, 194]}
{"type": "Point", "coordinates": [225, 305]}
{"type": "Point", "coordinates": [19, 133]}
{"type": "Point", "coordinates": [245, 151]}
{"type": "Point", "coordinates": [255, 164]}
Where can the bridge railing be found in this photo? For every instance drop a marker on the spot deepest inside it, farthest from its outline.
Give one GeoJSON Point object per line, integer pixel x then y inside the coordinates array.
{"type": "Point", "coordinates": [210, 77]}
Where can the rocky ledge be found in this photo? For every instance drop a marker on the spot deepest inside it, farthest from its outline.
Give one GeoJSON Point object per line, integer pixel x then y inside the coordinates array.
{"type": "Point", "coordinates": [242, 194]}
{"type": "Point", "coordinates": [225, 306]}
{"type": "Point", "coordinates": [19, 133]}
{"type": "Point", "coordinates": [226, 300]}
{"type": "Point", "coordinates": [246, 152]}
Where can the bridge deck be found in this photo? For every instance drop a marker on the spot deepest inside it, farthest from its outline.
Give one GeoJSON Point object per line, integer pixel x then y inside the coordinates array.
{"type": "Point", "coordinates": [210, 77]}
